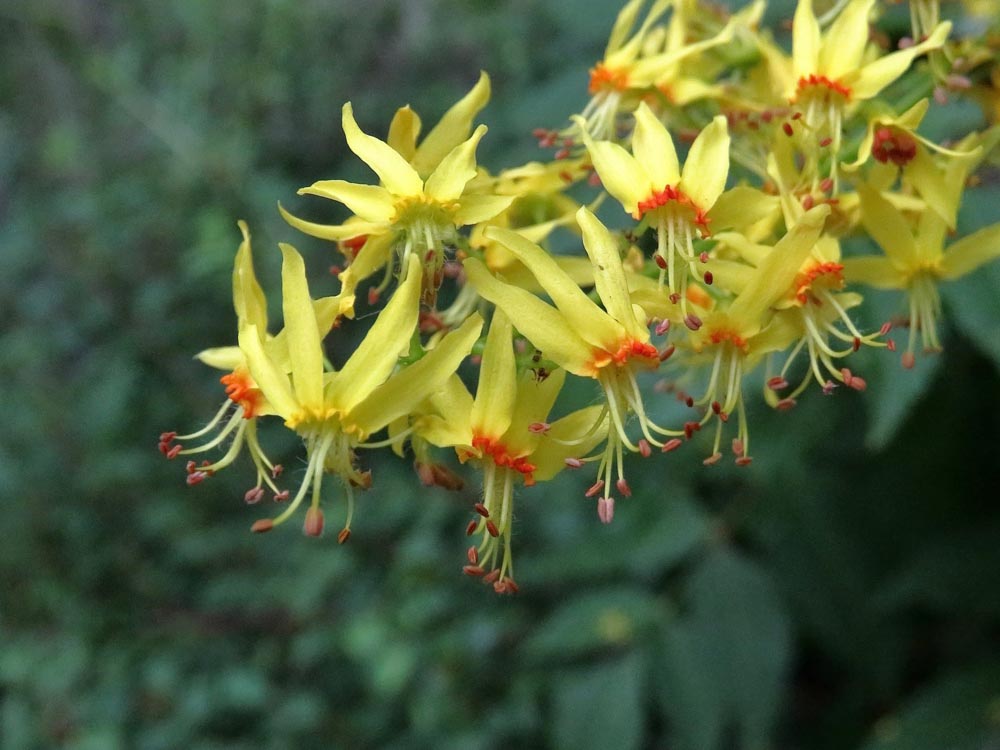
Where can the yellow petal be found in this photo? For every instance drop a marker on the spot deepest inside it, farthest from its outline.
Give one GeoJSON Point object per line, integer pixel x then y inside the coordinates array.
{"type": "Point", "coordinates": [887, 227]}
{"type": "Point", "coordinates": [623, 25]}
{"type": "Point", "coordinates": [448, 180]}
{"type": "Point", "coordinates": [335, 232]}
{"type": "Point", "coordinates": [550, 456]}
{"type": "Point", "coordinates": [304, 340]}
{"type": "Point", "coordinates": [621, 175]}
{"type": "Point", "coordinates": [929, 180]}
{"type": "Point", "coordinates": [875, 271]}
{"type": "Point", "coordinates": [372, 256]}
{"type": "Point", "coordinates": [270, 380]}
{"type": "Point", "coordinates": [369, 202]}
{"type": "Point", "coordinates": [476, 208]}
{"type": "Point", "coordinates": [248, 297]}
{"type": "Point", "coordinates": [406, 389]}
{"type": "Point", "coordinates": [386, 340]}
{"type": "Point", "coordinates": [653, 148]}
{"type": "Point", "coordinates": [535, 399]}
{"type": "Point", "coordinates": [805, 40]}
{"type": "Point", "coordinates": [844, 46]}
{"type": "Point", "coordinates": [449, 423]}
{"type": "Point", "coordinates": [403, 132]}
{"type": "Point", "coordinates": [707, 165]}
{"type": "Point", "coordinates": [773, 278]}
{"type": "Point", "coordinates": [624, 54]}
{"type": "Point", "coordinates": [542, 324]}
{"type": "Point", "coordinates": [452, 128]}
{"type": "Point", "coordinates": [394, 171]}
{"type": "Point", "coordinates": [496, 391]}
{"type": "Point", "coordinates": [875, 76]}
{"type": "Point", "coordinates": [592, 323]}
{"type": "Point", "coordinates": [222, 357]}
{"type": "Point", "coordinates": [971, 252]}
{"type": "Point", "coordinates": [609, 275]}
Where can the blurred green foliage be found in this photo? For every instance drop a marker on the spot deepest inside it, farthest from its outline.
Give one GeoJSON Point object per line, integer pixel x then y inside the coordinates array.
{"type": "Point", "coordinates": [840, 594]}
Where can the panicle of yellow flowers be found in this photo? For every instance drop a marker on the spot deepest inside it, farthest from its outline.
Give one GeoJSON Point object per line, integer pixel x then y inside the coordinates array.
{"type": "Point", "coordinates": [744, 167]}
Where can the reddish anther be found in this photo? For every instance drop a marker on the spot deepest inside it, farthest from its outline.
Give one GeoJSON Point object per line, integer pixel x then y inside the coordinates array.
{"type": "Point", "coordinates": [492, 529]}
{"type": "Point", "coordinates": [173, 452]}
{"type": "Point", "coordinates": [373, 295]}
{"type": "Point", "coordinates": [471, 528]}
{"type": "Point", "coordinates": [539, 428]}
{"type": "Point", "coordinates": [884, 330]}
{"type": "Point", "coordinates": [343, 536]}
{"type": "Point", "coordinates": [808, 202]}
{"type": "Point", "coordinates": [787, 127]}
{"type": "Point", "coordinates": [690, 428]}
{"type": "Point", "coordinates": [703, 257]}
{"type": "Point", "coordinates": [644, 450]}
{"type": "Point", "coordinates": [825, 142]}
{"type": "Point", "coordinates": [281, 497]}
{"type": "Point", "coordinates": [826, 184]}
{"type": "Point", "coordinates": [909, 360]}
{"type": "Point", "coordinates": [313, 525]}
{"type": "Point", "coordinates": [660, 261]}
{"type": "Point", "coordinates": [606, 509]}
{"type": "Point", "coordinates": [667, 353]}
{"type": "Point", "coordinates": [196, 477]}
{"type": "Point", "coordinates": [708, 277]}
{"type": "Point", "coordinates": [829, 387]}
{"type": "Point", "coordinates": [492, 576]}
{"type": "Point", "coordinates": [857, 383]}
{"type": "Point", "coordinates": [713, 459]}
{"type": "Point", "coordinates": [856, 344]}
{"type": "Point", "coordinates": [253, 495]}
{"type": "Point", "coordinates": [276, 471]}
{"type": "Point", "coordinates": [737, 447]}
{"type": "Point", "coordinates": [573, 463]}
{"type": "Point", "coordinates": [473, 554]}
{"type": "Point", "coordinates": [890, 345]}
{"type": "Point", "coordinates": [481, 510]}
{"type": "Point", "coordinates": [623, 488]}
{"type": "Point", "coordinates": [692, 321]}
{"type": "Point", "coordinates": [671, 445]}
{"type": "Point", "coordinates": [594, 488]}
{"type": "Point", "coordinates": [777, 383]}
{"type": "Point", "coordinates": [662, 327]}
{"type": "Point", "coordinates": [261, 526]}
{"type": "Point", "coordinates": [785, 404]}
{"type": "Point", "coordinates": [473, 570]}
{"type": "Point", "coordinates": [744, 461]}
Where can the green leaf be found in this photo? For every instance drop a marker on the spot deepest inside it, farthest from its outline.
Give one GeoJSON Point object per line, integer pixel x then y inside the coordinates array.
{"type": "Point", "coordinates": [595, 621]}
{"type": "Point", "coordinates": [727, 662]}
{"type": "Point", "coordinates": [972, 307]}
{"type": "Point", "coordinates": [599, 707]}
{"type": "Point", "coordinates": [960, 712]}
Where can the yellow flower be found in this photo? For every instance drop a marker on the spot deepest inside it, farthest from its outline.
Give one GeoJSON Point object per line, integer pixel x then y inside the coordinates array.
{"type": "Point", "coordinates": [916, 259]}
{"type": "Point", "coordinates": [335, 412]}
{"type": "Point", "coordinates": [609, 345]}
{"type": "Point", "coordinates": [831, 73]}
{"type": "Point", "coordinates": [406, 214]}
{"type": "Point", "coordinates": [738, 334]}
{"type": "Point", "coordinates": [238, 425]}
{"type": "Point", "coordinates": [504, 430]}
{"type": "Point", "coordinates": [650, 185]}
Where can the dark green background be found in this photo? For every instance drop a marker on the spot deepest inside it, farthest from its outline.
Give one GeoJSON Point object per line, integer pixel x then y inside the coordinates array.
{"type": "Point", "coordinates": [842, 593]}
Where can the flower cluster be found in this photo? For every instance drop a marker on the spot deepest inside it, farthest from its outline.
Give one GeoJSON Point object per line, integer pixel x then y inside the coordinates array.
{"type": "Point", "coordinates": [732, 170]}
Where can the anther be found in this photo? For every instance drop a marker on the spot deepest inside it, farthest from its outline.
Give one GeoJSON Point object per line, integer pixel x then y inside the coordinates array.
{"type": "Point", "coordinates": [594, 488]}
{"type": "Point", "coordinates": [662, 327]}
{"type": "Point", "coordinates": [777, 383]}
{"type": "Point", "coordinates": [473, 570]}
{"type": "Point", "coordinates": [512, 588]}
{"type": "Point", "coordinates": [196, 477]}
{"type": "Point", "coordinates": [737, 446]}
{"type": "Point", "coordinates": [276, 471]}
{"type": "Point", "coordinates": [858, 384]}
{"type": "Point", "coordinates": [644, 450]}
{"type": "Point", "coordinates": [492, 576]}
{"type": "Point", "coordinates": [890, 345]}
{"type": "Point", "coordinates": [808, 202]}
{"type": "Point", "coordinates": [787, 127]}
{"type": "Point", "coordinates": [671, 445]}
{"type": "Point", "coordinates": [857, 343]}
{"type": "Point", "coordinates": [623, 488]}
{"type": "Point", "coordinates": [716, 407]}
{"type": "Point", "coordinates": [481, 510]}
{"type": "Point", "coordinates": [713, 459]}
{"type": "Point", "coordinates": [909, 360]}
{"type": "Point", "coordinates": [690, 428]}
{"type": "Point", "coordinates": [336, 270]}
{"type": "Point", "coordinates": [785, 404]}
{"type": "Point", "coordinates": [667, 353]}
{"type": "Point", "coordinates": [828, 388]}
{"type": "Point", "coordinates": [703, 256]}
{"type": "Point", "coordinates": [281, 496]}
{"type": "Point", "coordinates": [373, 295]}
{"type": "Point", "coordinates": [825, 142]}
{"type": "Point", "coordinates": [692, 321]}
{"type": "Point", "coordinates": [492, 529]}
{"type": "Point", "coordinates": [313, 525]}
{"type": "Point", "coordinates": [172, 452]}
{"type": "Point", "coordinates": [743, 461]}
{"type": "Point", "coordinates": [167, 437]}
{"type": "Point", "coordinates": [884, 330]}
{"type": "Point", "coordinates": [471, 528]}
{"type": "Point", "coordinates": [660, 261]}
{"type": "Point", "coordinates": [539, 428]}
{"type": "Point", "coordinates": [253, 495]}
{"type": "Point", "coordinates": [826, 184]}
{"type": "Point", "coordinates": [573, 463]}
{"type": "Point", "coordinates": [473, 554]}
{"type": "Point", "coordinates": [675, 298]}
{"type": "Point", "coordinates": [343, 536]}
{"type": "Point", "coordinates": [264, 524]}
{"type": "Point", "coordinates": [606, 509]}
{"type": "Point", "coordinates": [708, 277]}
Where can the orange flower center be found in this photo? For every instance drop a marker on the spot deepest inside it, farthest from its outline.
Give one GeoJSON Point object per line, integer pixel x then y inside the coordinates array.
{"type": "Point", "coordinates": [242, 391]}
{"type": "Point", "coordinates": [829, 275]}
{"type": "Point", "coordinates": [813, 82]}
{"type": "Point", "coordinates": [500, 456]}
{"type": "Point", "coordinates": [677, 197]}
{"type": "Point", "coordinates": [723, 335]}
{"type": "Point", "coordinates": [603, 78]}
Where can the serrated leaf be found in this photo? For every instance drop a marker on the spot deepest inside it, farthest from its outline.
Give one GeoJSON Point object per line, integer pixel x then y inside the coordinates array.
{"type": "Point", "coordinates": [599, 707]}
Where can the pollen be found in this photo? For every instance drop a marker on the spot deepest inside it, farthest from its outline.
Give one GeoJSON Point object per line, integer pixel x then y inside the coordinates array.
{"type": "Point", "coordinates": [828, 275]}
{"type": "Point", "coordinates": [675, 196]}
{"type": "Point", "coordinates": [813, 82]}
{"type": "Point", "coordinates": [242, 391]}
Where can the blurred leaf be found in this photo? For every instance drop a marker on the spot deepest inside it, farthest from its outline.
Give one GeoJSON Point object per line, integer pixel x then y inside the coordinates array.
{"type": "Point", "coordinates": [960, 712]}
{"type": "Point", "coordinates": [728, 660]}
{"type": "Point", "coordinates": [601, 706]}
{"type": "Point", "coordinates": [972, 307]}
{"type": "Point", "coordinates": [594, 621]}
